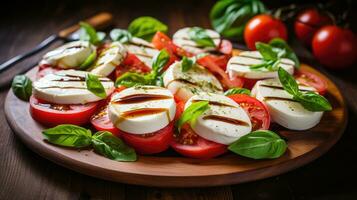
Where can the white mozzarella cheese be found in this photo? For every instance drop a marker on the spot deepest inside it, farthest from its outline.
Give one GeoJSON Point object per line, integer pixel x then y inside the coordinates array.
{"type": "Point", "coordinates": [70, 55]}
{"type": "Point", "coordinates": [282, 108]}
{"type": "Point", "coordinates": [224, 122]}
{"type": "Point", "coordinates": [144, 50]}
{"type": "Point", "coordinates": [240, 66]}
{"type": "Point", "coordinates": [68, 87]}
{"type": "Point", "coordinates": [181, 38]}
{"type": "Point", "coordinates": [186, 84]}
{"type": "Point", "coordinates": [109, 59]}
{"type": "Point", "coordinates": [142, 109]}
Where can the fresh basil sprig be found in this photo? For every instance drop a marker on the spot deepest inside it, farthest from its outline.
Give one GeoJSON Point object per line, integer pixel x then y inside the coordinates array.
{"type": "Point", "coordinates": [22, 87]}
{"type": "Point", "coordinates": [120, 35]}
{"type": "Point", "coordinates": [146, 27]}
{"type": "Point", "coordinates": [88, 33]}
{"type": "Point", "coordinates": [103, 142]}
{"type": "Point", "coordinates": [229, 17]}
{"type": "Point", "coordinates": [95, 86]}
{"type": "Point", "coordinates": [201, 37]}
{"type": "Point", "coordinates": [187, 63]}
{"type": "Point", "coordinates": [106, 144]}
{"type": "Point", "coordinates": [237, 91]}
{"type": "Point", "coordinates": [191, 114]}
{"type": "Point", "coordinates": [130, 79]}
{"type": "Point", "coordinates": [88, 61]}
{"type": "Point", "coordinates": [68, 135]}
{"type": "Point", "coordinates": [261, 144]}
{"type": "Point", "coordinates": [309, 100]}
{"type": "Point", "coordinates": [272, 54]}
{"type": "Point", "coordinates": [283, 49]}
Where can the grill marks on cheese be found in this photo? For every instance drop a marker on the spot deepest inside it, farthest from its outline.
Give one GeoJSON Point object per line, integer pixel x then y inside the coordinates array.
{"type": "Point", "coordinates": [142, 109]}
{"type": "Point", "coordinates": [240, 66]}
{"type": "Point", "coordinates": [144, 50]}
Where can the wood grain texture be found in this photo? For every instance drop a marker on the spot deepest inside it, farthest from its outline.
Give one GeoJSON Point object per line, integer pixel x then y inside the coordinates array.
{"type": "Point", "coordinates": [25, 175]}
{"type": "Point", "coordinates": [177, 171]}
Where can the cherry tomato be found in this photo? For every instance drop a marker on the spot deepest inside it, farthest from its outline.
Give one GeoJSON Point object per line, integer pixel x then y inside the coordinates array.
{"type": "Point", "coordinates": [257, 111]}
{"type": "Point", "coordinates": [131, 64]}
{"type": "Point", "coordinates": [310, 79]}
{"type": "Point", "coordinates": [101, 122]}
{"type": "Point", "coordinates": [151, 143]}
{"type": "Point", "coordinates": [220, 74]}
{"type": "Point", "coordinates": [308, 22]}
{"type": "Point", "coordinates": [189, 144]}
{"type": "Point", "coordinates": [335, 47]}
{"type": "Point", "coordinates": [43, 70]}
{"type": "Point", "coordinates": [162, 41]}
{"type": "Point", "coordinates": [263, 28]}
{"type": "Point", "coordinates": [54, 114]}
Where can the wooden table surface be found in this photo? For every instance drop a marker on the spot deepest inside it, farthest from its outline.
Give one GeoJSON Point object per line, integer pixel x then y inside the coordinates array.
{"type": "Point", "coordinates": [25, 175]}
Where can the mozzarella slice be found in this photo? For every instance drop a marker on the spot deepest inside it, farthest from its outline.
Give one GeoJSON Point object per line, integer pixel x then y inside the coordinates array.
{"type": "Point", "coordinates": [68, 87]}
{"type": "Point", "coordinates": [240, 66]}
{"type": "Point", "coordinates": [144, 50]}
{"type": "Point", "coordinates": [282, 108]}
{"type": "Point", "coordinates": [191, 82]}
{"type": "Point", "coordinates": [181, 38]}
{"type": "Point", "coordinates": [142, 109]}
{"type": "Point", "coordinates": [70, 55]}
{"type": "Point", "coordinates": [109, 59]}
{"type": "Point", "coordinates": [224, 122]}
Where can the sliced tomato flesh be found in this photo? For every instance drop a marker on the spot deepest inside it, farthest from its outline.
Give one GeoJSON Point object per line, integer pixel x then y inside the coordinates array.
{"type": "Point", "coordinates": [162, 41]}
{"type": "Point", "coordinates": [101, 122]}
{"type": "Point", "coordinates": [150, 143]}
{"type": "Point", "coordinates": [189, 144]}
{"type": "Point", "coordinates": [310, 79]}
{"type": "Point", "coordinates": [131, 63]}
{"type": "Point", "coordinates": [256, 110]}
{"type": "Point", "coordinates": [50, 114]}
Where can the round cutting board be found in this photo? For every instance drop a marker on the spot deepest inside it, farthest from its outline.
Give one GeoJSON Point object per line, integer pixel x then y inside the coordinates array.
{"type": "Point", "coordinates": [171, 170]}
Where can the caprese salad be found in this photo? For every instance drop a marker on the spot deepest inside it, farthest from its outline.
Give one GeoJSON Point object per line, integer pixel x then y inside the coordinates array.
{"type": "Point", "coordinates": [144, 92]}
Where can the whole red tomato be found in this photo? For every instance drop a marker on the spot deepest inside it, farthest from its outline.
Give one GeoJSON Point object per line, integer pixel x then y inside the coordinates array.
{"type": "Point", "coordinates": [263, 28]}
{"type": "Point", "coordinates": [334, 47]}
{"type": "Point", "coordinates": [308, 22]}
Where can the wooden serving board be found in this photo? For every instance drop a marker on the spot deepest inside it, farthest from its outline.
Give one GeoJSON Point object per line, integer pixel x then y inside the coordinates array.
{"type": "Point", "coordinates": [171, 170]}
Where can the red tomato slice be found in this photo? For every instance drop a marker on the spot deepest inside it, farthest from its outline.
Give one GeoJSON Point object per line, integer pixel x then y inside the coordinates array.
{"type": "Point", "coordinates": [249, 83]}
{"type": "Point", "coordinates": [312, 80]}
{"type": "Point", "coordinates": [226, 47]}
{"type": "Point", "coordinates": [257, 111]}
{"type": "Point", "coordinates": [131, 64]}
{"type": "Point", "coordinates": [180, 107]}
{"type": "Point", "coordinates": [101, 122]}
{"type": "Point", "coordinates": [162, 41]}
{"type": "Point", "coordinates": [43, 70]}
{"type": "Point", "coordinates": [151, 143]}
{"type": "Point", "coordinates": [192, 145]}
{"type": "Point", "coordinates": [221, 75]}
{"type": "Point", "coordinates": [54, 114]}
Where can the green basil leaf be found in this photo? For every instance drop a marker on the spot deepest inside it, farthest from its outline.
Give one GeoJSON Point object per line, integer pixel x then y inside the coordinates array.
{"type": "Point", "coordinates": [229, 17]}
{"type": "Point", "coordinates": [106, 144]}
{"type": "Point", "coordinates": [22, 87]}
{"type": "Point", "coordinates": [120, 35]}
{"type": "Point", "coordinates": [187, 63]}
{"type": "Point", "coordinates": [130, 79]}
{"type": "Point", "coordinates": [266, 51]}
{"type": "Point", "coordinates": [259, 144]}
{"type": "Point", "coordinates": [146, 27]}
{"type": "Point", "coordinates": [95, 86]}
{"type": "Point", "coordinates": [313, 102]}
{"type": "Point", "coordinates": [88, 33]}
{"type": "Point", "coordinates": [288, 82]}
{"type": "Point", "coordinates": [237, 91]}
{"type": "Point", "coordinates": [201, 37]}
{"type": "Point", "coordinates": [266, 64]}
{"type": "Point", "coordinates": [160, 60]}
{"type": "Point", "coordinates": [281, 46]}
{"type": "Point", "coordinates": [88, 61]}
{"type": "Point", "coordinates": [68, 135]}
{"type": "Point", "coordinates": [191, 114]}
